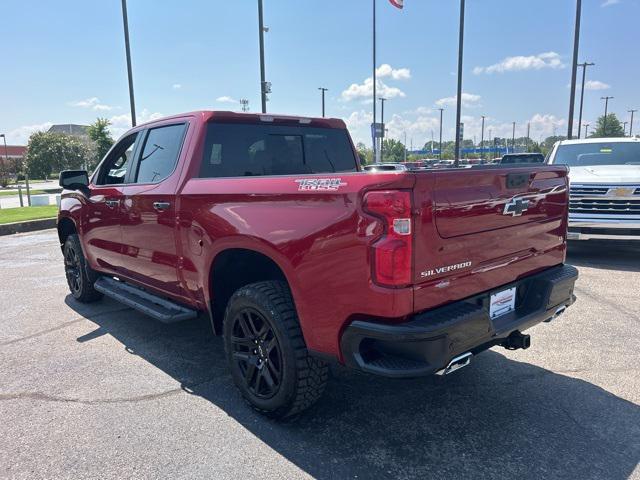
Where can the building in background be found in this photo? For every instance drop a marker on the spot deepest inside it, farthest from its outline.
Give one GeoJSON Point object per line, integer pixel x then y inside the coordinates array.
{"type": "Point", "coordinates": [74, 130]}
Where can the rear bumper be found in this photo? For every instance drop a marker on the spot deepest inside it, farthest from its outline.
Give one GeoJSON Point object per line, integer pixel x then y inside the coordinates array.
{"type": "Point", "coordinates": [427, 342]}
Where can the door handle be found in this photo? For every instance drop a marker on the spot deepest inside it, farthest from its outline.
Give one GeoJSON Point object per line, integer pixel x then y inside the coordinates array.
{"type": "Point", "coordinates": [161, 205]}
{"type": "Point", "coordinates": [112, 203]}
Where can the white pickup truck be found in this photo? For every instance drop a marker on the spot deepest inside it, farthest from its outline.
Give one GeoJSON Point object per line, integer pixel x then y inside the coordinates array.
{"type": "Point", "coordinates": [604, 187]}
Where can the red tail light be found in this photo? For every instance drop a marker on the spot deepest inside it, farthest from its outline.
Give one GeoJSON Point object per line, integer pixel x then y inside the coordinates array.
{"type": "Point", "coordinates": [392, 252]}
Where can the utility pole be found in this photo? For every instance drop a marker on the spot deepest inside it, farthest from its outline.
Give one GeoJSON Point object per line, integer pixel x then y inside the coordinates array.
{"type": "Point", "coordinates": [586, 130]}
{"type": "Point", "coordinates": [606, 109]}
{"type": "Point", "coordinates": [376, 157]}
{"type": "Point", "coordinates": [584, 71]}
{"type": "Point", "coordinates": [528, 135]}
{"type": "Point", "coordinates": [322, 89]}
{"type": "Point", "coordinates": [491, 131]}
{"type": "Point", "coordinates": [631, 124]}
{"type": "Point", "coordinates": [440, 152]}
{"type": "Point", "coordinates": [245, 104]}
{"type": "Point", "coordinates": [382, 100]}
{"type": "Point", "coordinates": [405, 146]}
{"type": "Point", "coordinates": [513, 137]}
{"type": "Point", "coordinates": [574, 67]}
{"type": "Point", "coordinates": [127, 48]}
{"type": "Point", "coordinates": [264, 87]}
{"type": "Point", "coordinates": [482, 138]}
{"type": "Point", "coordinates": [459, 94]}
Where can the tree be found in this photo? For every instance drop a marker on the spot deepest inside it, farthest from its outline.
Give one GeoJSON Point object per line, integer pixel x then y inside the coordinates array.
{"type": "Point", "coordinates": [392, 150]}
{"type": "Point", "coordinates": [50, 152]}
{"type": "Point", "coordinates": [101, 139]}
{"type": "Point", "coordinates": [365, 153]}
{"type": "Point", "coordinates": [613, 127]}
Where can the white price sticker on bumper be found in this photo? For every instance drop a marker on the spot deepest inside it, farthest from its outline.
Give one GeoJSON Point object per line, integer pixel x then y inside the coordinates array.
{"type": "Point", "coordinates": [502, 302]}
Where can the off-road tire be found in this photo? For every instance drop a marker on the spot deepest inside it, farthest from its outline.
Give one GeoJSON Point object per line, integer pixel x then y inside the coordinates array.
{"type": "Point", "coordinates": [303, 378]}
{"type": "Point", "coordinates": [80, 277]}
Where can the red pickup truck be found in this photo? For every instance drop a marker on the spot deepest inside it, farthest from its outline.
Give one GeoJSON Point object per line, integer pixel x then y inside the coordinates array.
{"type": "Point", "coordinates": [268, 225]}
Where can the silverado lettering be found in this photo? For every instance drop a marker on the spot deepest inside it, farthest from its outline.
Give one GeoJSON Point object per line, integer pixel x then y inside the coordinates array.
{"type": "Point", "coordinates": [448, 268]}
{"type": "Point", "coordinates": [196, 214]}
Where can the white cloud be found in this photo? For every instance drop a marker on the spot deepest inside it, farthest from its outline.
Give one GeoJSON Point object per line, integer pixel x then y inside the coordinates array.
{"type": "Point", "coordinates": [176, 86]}
{"type": "Point", "coordinates": [596, 85]}
{"type": "Point", "coordinates": [469, 100]}
{"type": "Point", "coordinates": [93, 103]}
{"type": "Point", "coordinates": [365, 90]}
{"type": "Point", "coordinates": [20, 135]}
{"type": "Point", "coordinates": [121, 123]}
{"type": "Point", "coordinates": [226, 99]}
{"type": "Point", "coordinates": [386, 70]}
{"type": "Point", "coordinates": [608, 3]}
{"type": "Point", "coordinates": [521, 63]}
{"type": "Point", "coordinates": [359, 119]}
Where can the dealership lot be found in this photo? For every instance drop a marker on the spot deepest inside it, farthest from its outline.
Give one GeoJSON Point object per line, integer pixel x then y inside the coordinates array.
{"type": "Point", "coordinates": [103, 391]}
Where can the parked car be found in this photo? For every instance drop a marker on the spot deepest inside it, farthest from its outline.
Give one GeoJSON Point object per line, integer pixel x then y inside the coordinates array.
{"type": "Point", "coordinates": [519, 158]}
{"type": "Point", "coordinates": [386, 167]}
{"type": "Point", "coordinates": [267, 224]}
{"type": "Point", "coordinates": [605, 187]}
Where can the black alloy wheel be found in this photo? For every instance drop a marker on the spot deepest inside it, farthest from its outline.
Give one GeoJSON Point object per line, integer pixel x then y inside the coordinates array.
{"type": "Point", "coordinates": [257, 352]}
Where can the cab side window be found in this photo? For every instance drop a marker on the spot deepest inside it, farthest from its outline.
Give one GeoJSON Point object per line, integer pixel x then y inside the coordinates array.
{"type": "Point", "coordinates": [160, 153]}
{"type": "Point", "coordinates": [114, 169]}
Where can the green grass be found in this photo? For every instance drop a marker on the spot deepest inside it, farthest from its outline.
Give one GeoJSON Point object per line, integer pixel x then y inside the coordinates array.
{"type": "Point", "coordinates": [24, 193]}
{"type": "Point", "coordinates": [22, 214]}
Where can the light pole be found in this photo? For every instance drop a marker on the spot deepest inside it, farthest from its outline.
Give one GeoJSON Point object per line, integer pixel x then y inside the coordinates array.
{"type": "Point", "coordinates": [127, 48]}
{"type": "Point", "coordinates": [606, 107]}
{"type": "Point", "coordinates": [376, 158]}
{"type": "Point", "coordinates": [586, 130]}
{"type": "Point", "coordinates": [574, 68]}
{"type": "Point", "coordinates": [624, 128]}
{"type": "Point", "coordinates": [482, 138]}
{"type": "Point", "coordinates": [263, 83]}
{"type": "Point", "coordinates": [6, 154]}
{"type": "Point", "coordinates": [382, 100]}
{"type": "Point", "coordinates": [513, 137]}
{"type": "Point", "coordinates": [584, 72]}
{"type": "Point", "coordinates": [322, 89]}
{"type": "Point", "coordinates": [631, 124]}
{"type": "Point", "coordinates": [528, 135]}
{"type": "Point", "coordinates": [459, 95]}
{"type": "Point", "coordinates": [440, 150]}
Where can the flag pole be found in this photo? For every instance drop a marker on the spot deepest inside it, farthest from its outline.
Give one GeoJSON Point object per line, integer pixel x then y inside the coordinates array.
{"type": "Point", "coordinates": [376, 158]}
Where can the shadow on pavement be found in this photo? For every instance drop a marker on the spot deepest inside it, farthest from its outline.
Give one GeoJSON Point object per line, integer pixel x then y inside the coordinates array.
{"type": "Point", "coordinates": [496, 418]}
{"type": "Point", "coordinates": [606, 255]}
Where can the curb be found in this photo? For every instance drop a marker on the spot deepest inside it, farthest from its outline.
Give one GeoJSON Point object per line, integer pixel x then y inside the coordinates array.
{"type": "Point", "coordinates": [29, 226]}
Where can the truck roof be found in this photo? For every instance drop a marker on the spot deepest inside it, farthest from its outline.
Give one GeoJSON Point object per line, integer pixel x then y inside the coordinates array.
{"type": "Point", "coordinates": [600, 140]}
{"type": "Point", "coordinates": [243, 117]}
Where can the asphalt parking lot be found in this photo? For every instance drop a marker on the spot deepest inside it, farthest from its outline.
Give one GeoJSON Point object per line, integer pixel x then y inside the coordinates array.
{"type": "Point", "coordinates": [101, 391]}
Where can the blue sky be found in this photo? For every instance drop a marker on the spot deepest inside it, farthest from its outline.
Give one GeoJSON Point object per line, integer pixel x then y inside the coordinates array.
{"type": "Point", "coordinates": [64, 61]}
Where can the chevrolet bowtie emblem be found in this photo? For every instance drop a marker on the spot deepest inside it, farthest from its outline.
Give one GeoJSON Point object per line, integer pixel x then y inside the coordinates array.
{"type": "Point", "coordinates": [516, 207]}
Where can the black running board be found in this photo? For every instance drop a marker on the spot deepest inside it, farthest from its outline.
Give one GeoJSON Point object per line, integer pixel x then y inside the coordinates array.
{"type": "Point", "coordinates": [156, 307]}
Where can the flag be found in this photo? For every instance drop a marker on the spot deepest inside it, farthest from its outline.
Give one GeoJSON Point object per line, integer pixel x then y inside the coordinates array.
{"type": "Point", "coordinates": [397, 3]}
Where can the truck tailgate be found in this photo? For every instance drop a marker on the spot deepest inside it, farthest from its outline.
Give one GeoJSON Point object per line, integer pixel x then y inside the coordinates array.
{"type": "Point", "coordinates": [477, 229]}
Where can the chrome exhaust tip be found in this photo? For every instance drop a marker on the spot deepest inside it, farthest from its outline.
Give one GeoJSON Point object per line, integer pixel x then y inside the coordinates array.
{"type": "Point", "coordinates": [559, 311]}
{"type": "Point", "coordinates": [456, 364]}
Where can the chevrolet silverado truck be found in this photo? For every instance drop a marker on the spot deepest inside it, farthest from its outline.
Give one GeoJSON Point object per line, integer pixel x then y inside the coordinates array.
{"type": "Point", "coordinates": [604, 197]}
{"type": "Point", "coordinates": [269, 226]}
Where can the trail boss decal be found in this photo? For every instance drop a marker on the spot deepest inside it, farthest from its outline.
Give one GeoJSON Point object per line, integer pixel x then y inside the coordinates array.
{"type": "Point", "coordinates": [320, 184]}
{"type": "Point", "coordinates": [448, 268]}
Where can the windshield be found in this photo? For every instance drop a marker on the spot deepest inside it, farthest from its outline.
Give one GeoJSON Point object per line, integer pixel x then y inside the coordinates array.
{"type": "Point", "coordinates": [604, 153]}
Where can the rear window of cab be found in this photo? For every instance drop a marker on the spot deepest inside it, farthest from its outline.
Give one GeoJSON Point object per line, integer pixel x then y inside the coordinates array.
{"type": "Point", "coordinates": [239, 150]}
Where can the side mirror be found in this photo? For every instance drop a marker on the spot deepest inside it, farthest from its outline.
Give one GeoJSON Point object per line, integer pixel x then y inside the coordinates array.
{"type": "Point", "coordinates": [74, 180]}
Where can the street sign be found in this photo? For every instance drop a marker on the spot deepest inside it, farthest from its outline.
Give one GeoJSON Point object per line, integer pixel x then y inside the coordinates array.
{"type": "Point", "coordinates": [376, 130]}
{"type": "Point", "coordinates": [461, 132]}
